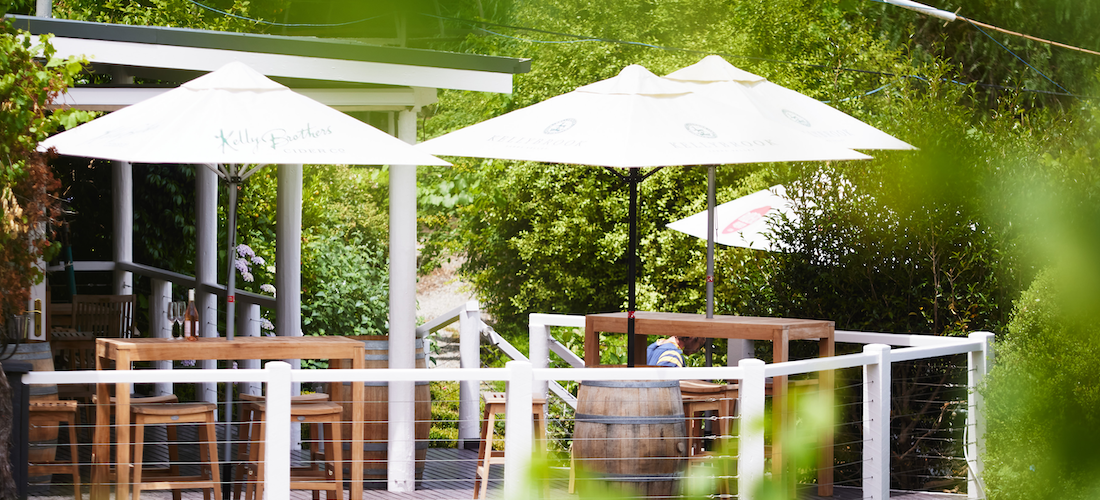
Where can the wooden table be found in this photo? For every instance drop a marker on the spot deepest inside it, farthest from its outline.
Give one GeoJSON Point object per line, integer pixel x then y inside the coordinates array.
{"type": "Point", "coordinates": [780, 331]}
{"type": "Point", "coordinates": [342, 353]}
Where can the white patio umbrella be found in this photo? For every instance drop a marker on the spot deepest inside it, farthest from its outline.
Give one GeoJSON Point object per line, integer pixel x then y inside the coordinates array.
{"type": "Point", "coordinates": [235, 121]}
{"type": "Point", "coordinates": [719, 80]}
{"type": "Point", "coordinates": [745, 222]}
{"type": "Point", "coordinates": [635, 120]}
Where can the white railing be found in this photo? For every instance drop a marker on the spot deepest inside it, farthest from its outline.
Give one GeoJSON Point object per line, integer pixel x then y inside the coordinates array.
{"type": "Point", "coordinates": [525, 380]}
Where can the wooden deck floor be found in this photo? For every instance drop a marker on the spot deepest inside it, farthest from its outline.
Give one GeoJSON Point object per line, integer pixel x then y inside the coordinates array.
{"type": "Point", "coordinates": [448, 475]}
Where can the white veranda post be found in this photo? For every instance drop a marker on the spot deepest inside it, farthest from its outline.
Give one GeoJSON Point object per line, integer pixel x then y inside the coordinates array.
{"type": "Point", "coordinates": [402, 415]}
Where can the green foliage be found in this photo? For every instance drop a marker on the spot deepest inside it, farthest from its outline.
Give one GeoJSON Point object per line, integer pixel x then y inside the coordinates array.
{"type": "Point", "coordinates": [344, 261]}
{"type": "Point", "coordinates": [1042, 395]}
{"type": "Point", "coordinates": [28, 204]}
{"type": "Point", "coordinates": [1041, 400]}
{"type": "Point", "coordinates": [174, 13]}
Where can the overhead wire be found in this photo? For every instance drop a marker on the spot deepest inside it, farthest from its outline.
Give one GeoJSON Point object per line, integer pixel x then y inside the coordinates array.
{"type": "Point", "coordinates": [281, 25]}
{"type": "Point", "coordinates": [479, 24]}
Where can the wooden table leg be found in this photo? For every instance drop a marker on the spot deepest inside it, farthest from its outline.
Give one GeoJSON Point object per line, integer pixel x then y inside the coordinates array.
{"type": "Point", "coordinates": [122, 432]}
{"type": "Point", "coordinates": [591, 345]}
{"type": "Point", "coordinates": [358, 416]}
{"type": "Point", "coordinates": [640, 345]}
{"type": "Point", "coordinates": [101, 441]}
{"type": "Point", "coordinates": [826, 381]}
{"type": "Point", "coordinates": [780, 409]}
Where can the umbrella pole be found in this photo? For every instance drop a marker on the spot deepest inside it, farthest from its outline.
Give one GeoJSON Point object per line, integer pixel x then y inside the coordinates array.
{"type": "Point", "coordinates": [710, 240]}
{"type": "Point", "coordinates": [633, 179]}
{"type": "Point", "coordinates": [711, 169]}
{"type": "Point", "coordinates": [231, 256]}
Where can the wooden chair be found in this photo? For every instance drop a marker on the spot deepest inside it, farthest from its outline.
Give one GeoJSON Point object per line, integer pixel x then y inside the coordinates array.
{"type": "Point", "coordinates": [73, 350]}
{"type": "Point", "coordinates": [105, 315]}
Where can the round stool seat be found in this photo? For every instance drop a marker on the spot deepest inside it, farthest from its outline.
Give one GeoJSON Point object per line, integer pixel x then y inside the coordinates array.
{"type": "Point", "coordinates": [701, 387]}
{"type": "Point", "coordinates": [168, 409]}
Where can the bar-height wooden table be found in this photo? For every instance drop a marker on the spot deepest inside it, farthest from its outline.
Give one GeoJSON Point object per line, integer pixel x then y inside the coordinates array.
{"type": "Point", "coordinates": [780, 331]}
{"type": "Point", "coordinates": [340, 351]}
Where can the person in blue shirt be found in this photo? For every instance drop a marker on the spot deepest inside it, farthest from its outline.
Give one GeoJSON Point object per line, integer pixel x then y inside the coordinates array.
{"type": "Point", "coordinates": [671, 351]}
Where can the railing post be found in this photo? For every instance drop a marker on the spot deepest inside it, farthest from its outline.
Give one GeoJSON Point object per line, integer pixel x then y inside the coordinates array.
{"type": "Point", "coordinates": [876, 423]}
{"type": "Point", "coordinates": [248, 325]}
{"type": "Point", "coordinates": [750, 462]}
{"type": "Point", "coordinates": [539, 340]}
{"type": "Point", "coordinates": [978, 364]}
{"type": "Point", "coordinates": [518, 429]}
{"type": "Point", "coordinates": [277, 432]}
{"type": "Point", "coordinates": [469, 350]}
{"type": "Point", "coordinates": [160, 298]}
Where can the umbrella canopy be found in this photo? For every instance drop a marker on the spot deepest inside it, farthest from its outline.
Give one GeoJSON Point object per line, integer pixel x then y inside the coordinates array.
{"type": "Point", "coordinates": [744, 222]}
{"type": "Point", "coordinates": [720, 81]}
{"type": "Point", "coordinates": [635, 119]}
{"type": "Point", "coordinates": [228, 118]}
{"type": "Point", "coordinates": [234, 115]}
{"type": "Point", "coordinates": [231, 117]}
{"type": "Point", "coordinates": [716, 78]}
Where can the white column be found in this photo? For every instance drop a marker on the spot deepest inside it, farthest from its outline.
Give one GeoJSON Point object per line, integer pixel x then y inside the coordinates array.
{"type": "Point", "coordinates": [123, 215]}
{"type": "Point", "coordinates": [978, 365]}
{"type": "Point", "coordinates": [43, 8]}
{"type": "Point", "coordinates": [518, 430]}
{"type": "Point", "coordinates": [469, 351]}
{"type": "Point", "coordinates": [206, 265]}
{"type": "Point", "coordinates": [402, 405]}
{"type": "Point", "coordinates": [248, 325]}
{"type": "Point", "coordinates": [738, 349]}
{"type": "Point", "coordinates": [160, 327]}
{"type": "Point", "coordinates": [288, 263]}
{"type": "Point", "coordinates": [876, 423]}
{"type": "Point", "coordinates": [750, 464]}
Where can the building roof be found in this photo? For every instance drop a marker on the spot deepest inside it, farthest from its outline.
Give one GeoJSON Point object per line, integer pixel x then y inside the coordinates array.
{"type": "Point", "coordinates": [351, 75]}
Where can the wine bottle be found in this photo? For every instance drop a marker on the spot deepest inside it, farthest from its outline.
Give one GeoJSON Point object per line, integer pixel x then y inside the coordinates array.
{"type": "Point", "coordinates": [191, 318]}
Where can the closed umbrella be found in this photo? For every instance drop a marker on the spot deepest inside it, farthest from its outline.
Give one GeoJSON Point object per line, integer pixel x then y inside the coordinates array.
{"type": "Point", "coordinates": [635, 120]}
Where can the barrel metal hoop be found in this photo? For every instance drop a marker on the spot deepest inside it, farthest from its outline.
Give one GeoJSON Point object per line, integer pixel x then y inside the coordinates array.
{"type": "Point", "coordinates": [619, 384]}
{"type": "Point", "coordinates": [384, 345]}
{"type": "Point", "coordinates": [613, 419]}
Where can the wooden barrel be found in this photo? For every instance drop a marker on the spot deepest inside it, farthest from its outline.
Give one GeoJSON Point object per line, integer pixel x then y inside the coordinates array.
{"type": "Point", "coordinates": [376, 431]}
{"type": "Point", "coordinates": [631, 435]}
{"type": "Point", "coordinates": [42, 444]}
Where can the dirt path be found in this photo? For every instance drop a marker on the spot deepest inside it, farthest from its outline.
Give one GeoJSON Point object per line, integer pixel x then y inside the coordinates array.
{"type": "Point", "coordinates": [436, 294]}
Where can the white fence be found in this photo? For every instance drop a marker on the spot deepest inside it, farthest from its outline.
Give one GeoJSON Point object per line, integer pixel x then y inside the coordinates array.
{"type": "Point", "coordinates": [527, 380]}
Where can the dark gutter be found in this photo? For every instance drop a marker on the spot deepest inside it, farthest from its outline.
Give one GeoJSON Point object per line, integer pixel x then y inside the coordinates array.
{"type": "Point", "coordinates": [269, 44]}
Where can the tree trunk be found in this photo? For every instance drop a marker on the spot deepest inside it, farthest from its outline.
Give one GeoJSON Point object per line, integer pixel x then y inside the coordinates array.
{"type": "Point", "coordinates": [8, 489]}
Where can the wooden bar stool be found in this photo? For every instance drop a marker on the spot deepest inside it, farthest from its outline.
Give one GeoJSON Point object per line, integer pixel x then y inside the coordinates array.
{"type": "Point", "coordinates": [246, 425]}
{"type": "Point", "coordinates": [172, 414]}
{"type": "Point", "coordinates": [495, 402]}
{"type": "Point", "coordinates": [173, 468]}
{"type": "Point", "coordinates": [50, 414]}
{"type": "Point", "coordinates": [329, 479]}
{"type": "Point", "coordinates": [700, 397]}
